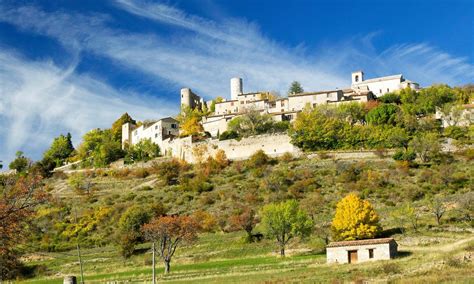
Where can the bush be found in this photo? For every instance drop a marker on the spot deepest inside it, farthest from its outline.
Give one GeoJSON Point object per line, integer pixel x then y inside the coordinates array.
{"type": "Point", "coordinates": [390, 268]}
{"type": "Point", "coordinates": [226, 135]}
{"type": "Point", "coordinates": [402, 155]}
{"type": "Point", "coordinates": [139, 173]}
{"type": "Point", "coordinates": [168, 170]}
{"type": "Point", "coordinates": [258, 159]}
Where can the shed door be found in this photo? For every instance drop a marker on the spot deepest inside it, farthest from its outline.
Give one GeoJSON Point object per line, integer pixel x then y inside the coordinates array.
{"type": "Point", "coordinates": [352, 256]}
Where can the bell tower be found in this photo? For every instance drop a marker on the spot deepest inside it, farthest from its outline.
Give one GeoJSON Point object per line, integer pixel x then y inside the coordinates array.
{"type": "Point", "coordinates": [357, 77]}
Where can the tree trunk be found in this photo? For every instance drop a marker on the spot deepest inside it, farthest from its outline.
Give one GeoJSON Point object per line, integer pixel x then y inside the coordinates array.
{"type": "Point", "coordinates": [167, 266]}
{"type": "Point", "coordinates": [282, 251]}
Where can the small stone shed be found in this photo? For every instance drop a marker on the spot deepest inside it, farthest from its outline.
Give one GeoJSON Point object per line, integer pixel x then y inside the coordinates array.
{"type": "Point", "coordinates": [361, 250]}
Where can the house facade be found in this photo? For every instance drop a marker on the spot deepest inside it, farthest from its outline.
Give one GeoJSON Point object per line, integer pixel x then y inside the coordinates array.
{"type": "Point", "coordinates": [381, 85]}
{"type": "Point", "coordinates": [281, 109]}
{"type": "Point", "coordinates": [361, 250]}
{"type": "Point", "coordinates": [157, 131]}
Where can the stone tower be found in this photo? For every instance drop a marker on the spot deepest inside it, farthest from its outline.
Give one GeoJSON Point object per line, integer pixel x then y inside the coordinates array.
{"type": "Point", "coordinates": [357, 77]}
{"type": "Point", "coordinates": [236, 88]}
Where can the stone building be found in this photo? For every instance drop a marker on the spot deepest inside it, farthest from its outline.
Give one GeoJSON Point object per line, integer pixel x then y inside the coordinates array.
{"type": "Point", "coordinates": [381, 85]}
{"type": "Point", "coordinates": [361, 250]}
{"type": "Point", "coordinates": [157, 131]}
{"type": "Point", "coordinates": [286, 108]}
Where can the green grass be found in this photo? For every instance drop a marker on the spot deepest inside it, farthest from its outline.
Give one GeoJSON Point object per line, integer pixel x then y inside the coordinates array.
{"type": "Point", "coordinates": [415, 265]}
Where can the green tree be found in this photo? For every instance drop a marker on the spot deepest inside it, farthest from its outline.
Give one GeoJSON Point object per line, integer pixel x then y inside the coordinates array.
{"type": "Point", "coordinates": [318, 129]}
{"type": "Point", "coordinates": [117, 126]}
{"type": "Point", "coordinates": [285, 221]}
{"type": "Point", "coordinates": [60, 150]}
{"type": "Point", "coordinates": [129, 225]}
{"type": "Point", "coordinates": [144, 150]}
{"type": "Point", "coordinates": [352, 112]}
{"type": "Point", "coordinates": [383, 114]}
{"type": "Point", "coordinates": [21, 163]}
{"type": "Point", "coordinates": [295, 88]}
{"type": "Point", "coordinates": [355, 219]}
{"type": "Point", "coordinates": [99, 148]}
{"type": "Point", "coordinates": [251, 123]}
{"type": "Point", "coordinates": [426, 146]}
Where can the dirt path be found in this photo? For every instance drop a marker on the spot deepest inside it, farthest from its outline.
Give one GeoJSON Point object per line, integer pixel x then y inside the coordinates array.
{"type": "Point", "coordinates": [439, 248]}
{"type": "Point", "coordinates": [147, 183]}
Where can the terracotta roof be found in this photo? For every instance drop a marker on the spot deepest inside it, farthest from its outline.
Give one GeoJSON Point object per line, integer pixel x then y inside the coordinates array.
{"type": "Point", "coordinates": [360, 242]}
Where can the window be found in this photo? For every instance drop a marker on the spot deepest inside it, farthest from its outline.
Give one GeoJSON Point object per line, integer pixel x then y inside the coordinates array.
{"type": "Point", "coordinates": [174, 126]}
{"type": "Point", "coordinates": [156, 135]}
{"type": "Point", "coordinates": [282, 103]}
{"type": "Point", "coordinates": [388, 90]}
{"type": "Point", "coordinates": [371, 253]}
{"type": "Point", "coordinates": [135, 133]}
{"type": "Point", "coordinates": [156, 126]}
{"type": "Point", "coordinates": [232, 103]}
{"type": "Point", "coordinates": [242, 102]}
{"type": "Point", "coordinates": [380, 91]}
{"type": "Point", "coordinates": [356, 78]}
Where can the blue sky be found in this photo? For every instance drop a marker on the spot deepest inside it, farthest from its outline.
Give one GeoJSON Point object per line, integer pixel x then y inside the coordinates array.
{"type": "Point", "coordinates": [70, 66]}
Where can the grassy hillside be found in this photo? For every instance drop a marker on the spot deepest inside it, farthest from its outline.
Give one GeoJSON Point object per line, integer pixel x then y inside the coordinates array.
{"type": "Point", "coordinates": [99, 198]}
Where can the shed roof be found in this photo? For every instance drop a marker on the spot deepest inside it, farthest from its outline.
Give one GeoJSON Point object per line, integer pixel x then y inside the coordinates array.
{"type": "Point", "coordinates": [360, 242]}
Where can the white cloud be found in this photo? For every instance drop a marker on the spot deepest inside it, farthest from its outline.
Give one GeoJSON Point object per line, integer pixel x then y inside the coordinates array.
{"type": "Point", "coordinates": [40, 100]}
{"type": "Point", "coordinates": [197, 53]}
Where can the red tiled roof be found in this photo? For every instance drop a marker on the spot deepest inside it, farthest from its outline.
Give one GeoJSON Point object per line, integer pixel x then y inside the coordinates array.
{"type": "Point", "coordinates": [360, 242]}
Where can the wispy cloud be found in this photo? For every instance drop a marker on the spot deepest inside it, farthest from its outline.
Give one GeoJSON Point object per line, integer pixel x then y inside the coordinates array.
{"type": "Point", "coordinates": [198, 53]}
{"type": "Point", "coordinates": [40, 100]}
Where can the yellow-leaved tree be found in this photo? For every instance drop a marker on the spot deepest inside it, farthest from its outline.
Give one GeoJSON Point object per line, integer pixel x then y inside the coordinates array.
{"type": "Point", "coordinates": [355, 219]}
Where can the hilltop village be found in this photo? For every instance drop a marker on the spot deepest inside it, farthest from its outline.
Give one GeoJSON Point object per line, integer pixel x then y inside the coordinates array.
{"type": "Point", "coordinates": [166, 134]}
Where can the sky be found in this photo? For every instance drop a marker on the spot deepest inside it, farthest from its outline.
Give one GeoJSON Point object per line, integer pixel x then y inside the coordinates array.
{"type": "Point", "coordinates": [72, 66]}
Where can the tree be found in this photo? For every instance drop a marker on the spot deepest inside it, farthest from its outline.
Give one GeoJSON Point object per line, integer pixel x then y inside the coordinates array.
{"type": "Point", "coordinates": [19, 196]}
{"type": "Point", "coordinates": [99, 148]}
{"type": "Point", "coordinates": [130, 224]}
{"type": "Point", "coordinates": [190, 121]}
{"type": "Point", "coordinates": [285, 221]}
{"type": "Point", "coordinates": [169, 232]}
{"type": "Point", "coordinates": [426, 145]}
{"type": "Point", "coordinates": [60, 149]}
{"type": "Point", "coordinates": [438, 209]}
{"type": "Point", "coordinates": [355, 219]}
{"type": "Point", "coordinates": [406, 215]}
{"type": "Point", "coordinates": [352, 112]}
{"type": "Point", "coordinates": [144, 150]}
{"type": "Point", "coordinates": [21, 163]}
{"type": "Point", "coordinates": [245, 220]}
{"type": "Point", "coordinates": [81, 183]}
{"type": "Point", "coordinates": [295, 88]}
{"type": "Point", "coordinates": [383, 114]}
{"type": "Point", "coordinates": [117, 126]}
{"type": "Point", "coordinates": [251, 123]}
{"type": "Point", "coordinates": [318, 129]}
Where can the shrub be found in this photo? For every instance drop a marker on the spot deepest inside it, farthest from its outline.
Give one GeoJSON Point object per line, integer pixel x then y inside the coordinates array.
{"type": "Point", "coordinates": [168, 170]}
{"type": "Point", "coordinates": [258, 159]}
{"type": "Point", "coordinates": [226, 135]}
{"type": "Point", "coordinates": [206, 221]}
{"type": "Point", "coordinates": [402, 155]}
{"type": "Point", "coordinates": [390, 268]}
{"type": "Point", "coordinates": [139, 173]}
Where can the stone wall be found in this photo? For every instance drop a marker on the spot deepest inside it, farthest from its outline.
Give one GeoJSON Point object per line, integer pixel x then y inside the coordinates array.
{"type": "Point", "coordinates": [340, 254]}
{"type": "Point", "coordinates": [273, 145]}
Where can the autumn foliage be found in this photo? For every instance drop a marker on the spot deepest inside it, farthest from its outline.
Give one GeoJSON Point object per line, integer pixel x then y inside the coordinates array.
{"type": "Point", "coordinates": [355, 219]}
{"type": "Point", "coordinates": [18, 200]}
{"type": "Point", "coordinates": [168, 232]}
